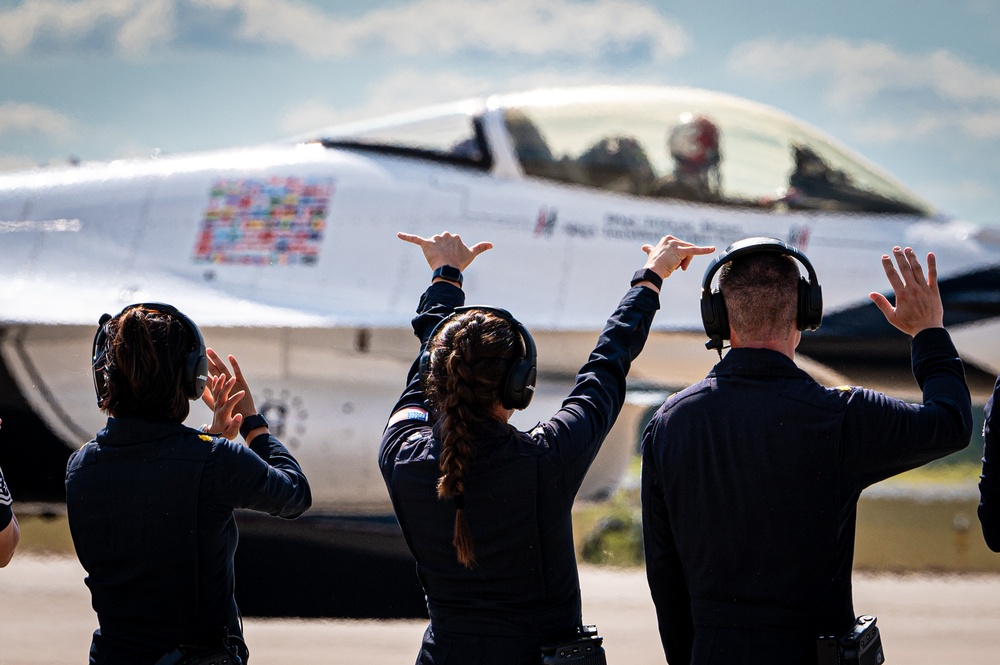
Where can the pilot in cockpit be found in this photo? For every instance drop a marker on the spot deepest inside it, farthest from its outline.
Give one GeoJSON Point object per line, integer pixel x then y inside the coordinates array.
{"type": "Point", "coordinates": [693, 143]}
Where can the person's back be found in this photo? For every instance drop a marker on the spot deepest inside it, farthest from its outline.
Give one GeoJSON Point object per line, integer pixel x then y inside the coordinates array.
{"type": "Point", "coordinates": [150, 501]}
{"type": "Point", "coordinates": [518, 499]}
{"type": "Point", "coordinates": [751, 477]}
{"type": "Point", "coordinates": [766, 476]}
{"type": "Point", "coordinates": [133, 495]}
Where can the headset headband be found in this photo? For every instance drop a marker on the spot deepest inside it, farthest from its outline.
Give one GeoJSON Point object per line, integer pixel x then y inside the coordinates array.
{"type": "Point", "coordinates": [194, 373]}
{"type": "Point", "coordinates": [713, 307]}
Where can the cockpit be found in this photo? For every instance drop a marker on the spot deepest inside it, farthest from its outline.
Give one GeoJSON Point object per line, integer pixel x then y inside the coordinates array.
{"type": "Point", "coordinates": [659, 143]}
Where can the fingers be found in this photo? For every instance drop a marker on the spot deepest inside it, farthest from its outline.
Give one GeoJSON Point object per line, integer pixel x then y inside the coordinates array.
{"type": "Point", "coordinates": [411, 238]}
{"type": "Point", "coordinates": [932, 270]}
{"type": "Point", "coordinates": [233, 400]}
{"type": "Point", "coordinates": [913, 266]}
{"type": "Point", "coordinates": [215, 364]}
{"type": "Point", "coordinates": [237, 372]}
{"type": "Point", "coordinates": [890, 272]}
{"type": "Point", "coordinates": [883, 304]}
{"type": "Point", "coordinates": [480, 247]}
{"type": "Point", "coordinates": [206, 395]}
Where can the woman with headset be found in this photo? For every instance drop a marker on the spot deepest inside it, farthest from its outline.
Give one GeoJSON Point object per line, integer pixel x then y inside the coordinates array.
{"type": "Point", "coordinates": [485, 508]}
{"type": "Point", "coordinates": [150, 501]}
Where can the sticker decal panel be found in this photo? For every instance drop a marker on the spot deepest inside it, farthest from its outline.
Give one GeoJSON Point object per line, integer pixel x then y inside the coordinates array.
{"type": "Point", "coordinates": [272, 221]}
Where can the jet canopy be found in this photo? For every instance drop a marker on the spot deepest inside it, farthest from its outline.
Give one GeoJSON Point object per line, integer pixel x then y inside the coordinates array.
{"type": "Point", "coordinates": [663, 143]}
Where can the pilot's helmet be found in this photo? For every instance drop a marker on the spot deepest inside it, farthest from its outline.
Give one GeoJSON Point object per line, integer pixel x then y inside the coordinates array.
{"type": "Point", "coordinates": [694, 143]}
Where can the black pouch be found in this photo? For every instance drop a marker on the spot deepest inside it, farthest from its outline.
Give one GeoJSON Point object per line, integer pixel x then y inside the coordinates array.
{"type": "Point", "coordinates": [862, 645]}
{"type": "Point", "coordinates": [227, 654]}
{"type": "Point", "coordinates": [585, 649]}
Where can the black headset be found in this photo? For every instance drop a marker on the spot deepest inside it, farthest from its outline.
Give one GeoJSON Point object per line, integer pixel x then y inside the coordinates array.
{"type": "Point", "coordinates": [518, 386]}
{"type": "Point", "coordinates": [194, 374]}
{"type": "Point", "coordinates": [713, 305]}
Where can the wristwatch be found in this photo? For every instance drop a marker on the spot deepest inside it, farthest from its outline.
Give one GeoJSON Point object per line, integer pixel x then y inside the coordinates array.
{"type": "Point", "coordinates": [450, 273]}
{"type": "Point", "coordinates": [250, 423]}
{"type": "Point", "coordinates": [647, 275]}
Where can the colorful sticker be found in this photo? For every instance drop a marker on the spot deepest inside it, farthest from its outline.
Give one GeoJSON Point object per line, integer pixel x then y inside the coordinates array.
{"type": "Point", "coordinates": [274, 221]}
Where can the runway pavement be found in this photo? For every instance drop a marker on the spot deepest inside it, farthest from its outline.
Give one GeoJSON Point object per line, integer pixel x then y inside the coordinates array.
{"type": "Point", "coordinates": [45, 618]}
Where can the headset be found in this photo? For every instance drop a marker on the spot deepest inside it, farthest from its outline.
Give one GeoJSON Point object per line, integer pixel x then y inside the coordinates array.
{"type": "Point", "coordinates": [713, 305]}
{"type": "Point", "coordinates": [518, 387]}
{"type": "Point", "coordinates": [194, 374]}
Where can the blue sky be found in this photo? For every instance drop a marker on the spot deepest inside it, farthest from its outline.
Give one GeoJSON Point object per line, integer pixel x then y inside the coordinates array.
{"type": "Point", "coordinates": [914, 85]}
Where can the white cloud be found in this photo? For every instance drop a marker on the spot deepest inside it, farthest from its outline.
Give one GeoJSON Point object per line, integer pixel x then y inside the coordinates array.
{"type": "Point", "coordinates": [410, 89]}
{"type": "Point", "coordinates": [16, 163]}
{"type": "Point", "coordinates": [857, 73]}
{"type": "Point", "coordinates": [30, 118]}
{"type": "Point", "coordinates": [588, 30]}
{"type": "Point", "coordinates": [74, 22]}
{"type": "Point", "coordinates": [894, 96]}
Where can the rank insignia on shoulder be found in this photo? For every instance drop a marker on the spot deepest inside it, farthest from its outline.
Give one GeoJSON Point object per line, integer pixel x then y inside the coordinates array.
{"type": "Point", "coordinates": [5, 499]}
{"type": "Point", "coordinates": [204, 437]}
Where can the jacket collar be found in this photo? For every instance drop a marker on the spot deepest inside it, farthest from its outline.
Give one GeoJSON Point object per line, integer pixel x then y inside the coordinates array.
{"type": "Point", "coordinates": [757, 362]}
{"type": "Point", "coordinates": [131, 431]}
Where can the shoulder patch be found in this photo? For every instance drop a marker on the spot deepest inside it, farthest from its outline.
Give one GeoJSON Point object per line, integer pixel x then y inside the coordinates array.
{"type": "Point", "coordinates": [5, 499]}
{"type": "Point", "coordinates": [410, 413]}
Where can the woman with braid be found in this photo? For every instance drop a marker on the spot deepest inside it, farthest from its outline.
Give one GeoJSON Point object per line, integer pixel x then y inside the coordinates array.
{"type": "Point", "coordinates": [485, 508]}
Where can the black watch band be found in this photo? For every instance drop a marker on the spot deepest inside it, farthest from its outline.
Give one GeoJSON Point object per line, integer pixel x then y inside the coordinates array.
{"type": "Point", "coordinates": [250, 423]}
{"type": "Point", "coordinates": [450, 273]}
{"type": "Point", "coordinates": [647, 275]}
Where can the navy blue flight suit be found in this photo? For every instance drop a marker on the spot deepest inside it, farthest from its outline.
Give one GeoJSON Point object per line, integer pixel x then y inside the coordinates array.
{"type": "Point", "coordinates": [150, 508]}
{"type": "Point", "coordinates": [519, 492]}
{"type": "Point", "coordinates": [989, 482]}
{"type": "Point", "coordinates": [750, 484]}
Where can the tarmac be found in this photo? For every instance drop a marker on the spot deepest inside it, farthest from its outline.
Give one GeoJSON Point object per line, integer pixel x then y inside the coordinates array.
{"type": "Point", "coordinates": [46, 619]}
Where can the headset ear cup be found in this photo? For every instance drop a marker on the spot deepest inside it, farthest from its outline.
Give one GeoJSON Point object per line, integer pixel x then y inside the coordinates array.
{"type": "Point", "coordinates": [802, 306]}
{"type": "Point", "coordinates": [810, 306]}
{"type": "Point", "coordinates": [520, 385]}
{"type": "Point", "coordinates": [721, 313]}
{"type": "Point", "coordinates": [714, 315]}
{"type": "Point", "coordinates": [815, 307]}
{"type": "Point", "coordinates": [198, 377]}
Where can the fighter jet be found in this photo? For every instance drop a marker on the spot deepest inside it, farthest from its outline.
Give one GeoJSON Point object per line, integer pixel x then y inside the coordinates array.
{"type": "Point", "coordinates": [285, 254]}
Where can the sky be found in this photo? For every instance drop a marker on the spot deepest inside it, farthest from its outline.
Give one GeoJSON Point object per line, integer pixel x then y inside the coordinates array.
{"type": "Point", "coordinates": [913, 85]}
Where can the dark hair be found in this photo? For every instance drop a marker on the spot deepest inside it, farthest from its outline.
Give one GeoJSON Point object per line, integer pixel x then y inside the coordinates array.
{"type": "Point", "coordinates": [470, 357]}
{"type": "Point", "coordinates": [761, 292]}
{"type": "Point", "coordinates": [143, 366]}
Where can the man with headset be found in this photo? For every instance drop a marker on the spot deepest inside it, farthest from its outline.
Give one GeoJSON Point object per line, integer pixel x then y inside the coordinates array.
{"type": "Point", "coordinates": [751, 477]}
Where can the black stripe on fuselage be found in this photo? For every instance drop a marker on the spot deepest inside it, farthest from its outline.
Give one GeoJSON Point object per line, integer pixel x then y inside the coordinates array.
{"type": "Point", "coordinates": [32, 456]}
{"type": "Point", "coordinates": [861, 333]}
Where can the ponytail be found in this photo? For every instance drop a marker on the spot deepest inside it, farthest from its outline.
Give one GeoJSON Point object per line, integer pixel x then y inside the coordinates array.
{"type": "Point", "coordinates": [470, 358]}
{"type": "Point", "coordinates": [143, 368]}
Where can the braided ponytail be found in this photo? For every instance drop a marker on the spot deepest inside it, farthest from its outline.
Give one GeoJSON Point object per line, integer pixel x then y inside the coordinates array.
{"type": "Point", "coordinates": [470, 359]}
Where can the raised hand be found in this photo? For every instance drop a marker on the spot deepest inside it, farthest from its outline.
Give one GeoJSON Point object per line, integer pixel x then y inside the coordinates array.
{"type": "Point", "coordinates": [671, 253]}
{"type": "Point", "coordinates": [446, 249]}
{"type": "Point", "coordinates": [222, 401]}
{"type": "Point", "coordinates": [918, 301]}
{"type": "Point", "coordinates": [217, 368]}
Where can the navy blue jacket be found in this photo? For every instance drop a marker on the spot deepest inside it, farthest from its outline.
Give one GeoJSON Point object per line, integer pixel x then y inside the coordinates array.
{"type": "Point", "coordinates": [519, 492]}
{"type": "Point", "coordinates": [150, 508]}
{"type": "Point", "coordinates": [750, 483]}
{"type": "Point", "coordinates": [989, 481]}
